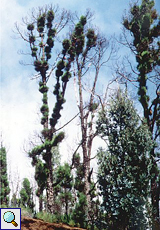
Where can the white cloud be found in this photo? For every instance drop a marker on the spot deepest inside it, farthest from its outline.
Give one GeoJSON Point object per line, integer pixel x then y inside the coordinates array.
{"type": "Point", "coordinates": [18, 116]}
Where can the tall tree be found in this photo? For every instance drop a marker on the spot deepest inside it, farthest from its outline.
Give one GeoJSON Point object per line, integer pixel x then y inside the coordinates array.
{"type": "Point", "coordinates": [89, 48]}
{"type": "Point", "coordinates": [42, 29]}
{"type": "Point", "coordinates": [143, 25]}
{"type": "Point", "coordinates": [4, 184]}
{"type": "Point", "coordinates": [124, 167]}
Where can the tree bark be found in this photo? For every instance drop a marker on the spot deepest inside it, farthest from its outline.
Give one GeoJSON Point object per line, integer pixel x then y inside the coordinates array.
{"type": "Point", "coordinates": [86, 160]}
{"type": "Point", "coordinates": [40, 203]}
{"type": "Point", "coordinates": [50, 191]}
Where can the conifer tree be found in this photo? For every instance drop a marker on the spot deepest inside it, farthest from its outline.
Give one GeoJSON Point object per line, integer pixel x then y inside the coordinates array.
{"type": "Point", "coordinates": [64, 181]}
{"type": "Point", "coordinates": [4, 184]}
{"type": "Point", "coordinates": [124, 173]}
{"type": "Point", "coordinates": [143, 23]}
{"type": "Point", "coordinates": [26, 195]}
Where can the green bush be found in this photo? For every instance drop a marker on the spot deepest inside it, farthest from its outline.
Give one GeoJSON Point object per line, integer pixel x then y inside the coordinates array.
{"type": "Point", "coordinates": [48, 217]}
{"type": "Point", "coordinates": [71, 223]}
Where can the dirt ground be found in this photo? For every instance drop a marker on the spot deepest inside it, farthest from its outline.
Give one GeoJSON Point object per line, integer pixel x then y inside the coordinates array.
{"type": "Point", "coordinates": [36, 224]}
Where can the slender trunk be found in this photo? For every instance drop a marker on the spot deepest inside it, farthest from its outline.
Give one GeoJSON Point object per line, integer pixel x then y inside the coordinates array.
{"type": "Point", "coordinates": [84, 145]}
{"type": "Point", "coordinates": [40, 203]}
{"type": "Point", "coordinates": [66, 203]}
{"type": "Point", "coordinates": [50, 194]}
{"type": "Point", "coordinates": [50, 191]}
{"type": "Point", "coordinates": [86, 164]}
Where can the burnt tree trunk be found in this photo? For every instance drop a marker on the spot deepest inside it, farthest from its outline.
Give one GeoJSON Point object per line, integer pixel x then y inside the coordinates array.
{"type": "Point", "coordinates": [50, 190]}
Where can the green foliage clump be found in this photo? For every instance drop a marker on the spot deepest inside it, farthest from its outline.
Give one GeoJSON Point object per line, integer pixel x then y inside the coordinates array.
{"type": "Point", "coordinates": [32, 39]}
{"type": "Point", "coordinates": [43, 88]}
{"type": "Point", "coordinates": [78, 38]}
{"type": "Point", "coordinates": [30, 27]}
{"type": "Point", "coordinates": [60, 65]}
{"type": "Point", "coordinates": [92, 38]}
{"type": "Point", "coordinates": [41, 23]}
{"type": "Point", "coordinates": [47, 49]}
{"type": "Point", "coordinates": [50, 17]}
{"type": "Point", "coordinates": [36, 151]}
{"type": "Point", "coordinates": [64, 176]}
{"type": "Point", "coordinates": [46, 33]}
{"type": "Point", "coordinates": [66, 76]}
{"type": "Point", "coordinates": [50, 42]}
{"type": "Point", "coordinates": [83, 20]}
{"type": "Point", "coordinates": [66, 44]}
{"type": "Point", "coordinates": [72, 52]}
{"type": "Point", "coordinates": [37, 65]}
{"type": "Point", "coordinates": [59, 73]}
{"type": "Point", "coordinates": [52, 32]}
{"type": "Point", "coordinates": [34, 51]}
{"type": "Point", "coordinates": [45, 98]}
{"type": "Point", "coordinates": [56, 110]}
{"type": "Point", "coordinates": [58, 138]}
{"type": "Point", "coordinates": [44, 109]}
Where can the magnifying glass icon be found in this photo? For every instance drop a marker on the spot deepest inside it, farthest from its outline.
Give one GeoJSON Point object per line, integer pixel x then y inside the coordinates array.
{"type": "Point", "coordinates": [9, 217]}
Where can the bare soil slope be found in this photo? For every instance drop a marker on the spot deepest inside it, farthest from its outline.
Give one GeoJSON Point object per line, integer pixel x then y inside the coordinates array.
{"type": "Point", "coordinates": [36, 224]}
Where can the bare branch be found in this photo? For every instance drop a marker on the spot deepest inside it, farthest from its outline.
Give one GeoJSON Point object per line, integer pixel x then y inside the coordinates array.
{"type": "Point", "coordinates": [20, 33]}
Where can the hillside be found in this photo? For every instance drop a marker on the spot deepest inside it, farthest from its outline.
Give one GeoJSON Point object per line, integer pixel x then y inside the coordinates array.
{"type": "Point", "coordinates": [36, 224]}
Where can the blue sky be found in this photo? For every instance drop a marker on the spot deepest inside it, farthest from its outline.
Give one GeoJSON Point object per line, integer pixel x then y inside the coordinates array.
{"type": "Point", "coordinates": [20, 99]}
